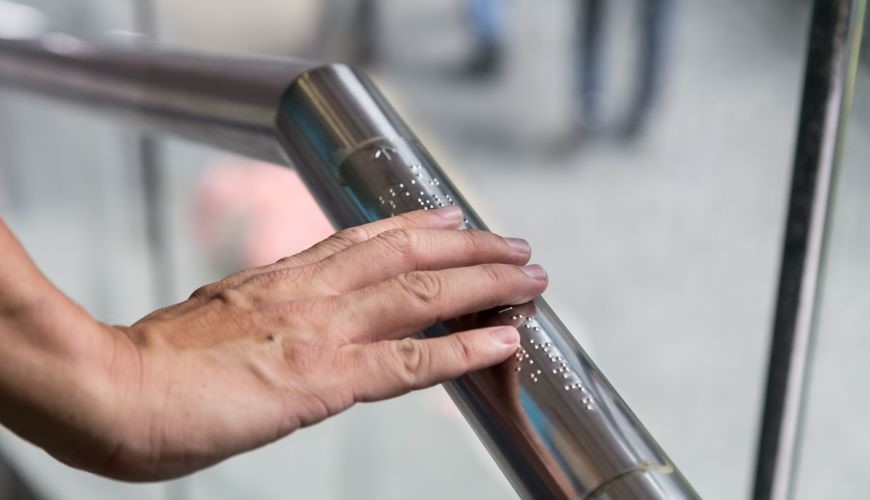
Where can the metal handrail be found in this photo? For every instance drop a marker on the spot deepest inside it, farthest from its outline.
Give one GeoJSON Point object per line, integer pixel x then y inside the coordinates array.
{"type": "Point", "coordinates": [832, 58]}
{"type": "Point", "coordinates": [548, 416]}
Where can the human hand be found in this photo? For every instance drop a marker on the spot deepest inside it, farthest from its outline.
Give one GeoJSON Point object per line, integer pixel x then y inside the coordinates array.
{"type": "Point", "coordinates": [266, 351]}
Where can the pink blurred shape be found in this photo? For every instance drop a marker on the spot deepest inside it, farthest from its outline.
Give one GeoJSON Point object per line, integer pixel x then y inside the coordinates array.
{"type": "Point", "coordinates": [258, 212]}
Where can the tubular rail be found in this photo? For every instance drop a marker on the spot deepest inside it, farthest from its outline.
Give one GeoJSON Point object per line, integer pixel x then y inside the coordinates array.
{"type": "Point", "coordinates": [548, 416]}
{"type": "Point", "coordinates": [832, 58]}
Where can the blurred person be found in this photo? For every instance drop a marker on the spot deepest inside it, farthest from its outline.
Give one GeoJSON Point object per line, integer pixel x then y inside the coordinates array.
{"type": "Point", "coordinates": [652, 28]}
{"type": "Point", "coordinates": [349, 31]}
{"type": "Point", "coordinates": [253, 357]}
{"type": "Point", "coordinates": [487, 21]}
{"type": "Point", "coordinates": [590, 40]}
{"type": "Point", "coordinates": [366, 33]}
{"type": "Point", "coordinates": [654, 25]}
{"type": "Point", "coordinates": [359, 22]}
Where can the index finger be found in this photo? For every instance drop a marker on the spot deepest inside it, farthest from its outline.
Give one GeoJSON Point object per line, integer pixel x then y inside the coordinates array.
{"type": "Point", "coordinates": [440, 218]}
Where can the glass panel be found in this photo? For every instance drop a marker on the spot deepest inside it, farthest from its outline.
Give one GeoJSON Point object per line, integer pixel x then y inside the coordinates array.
{"type": "Point", "coordinates": [836, 442]}
{"type": "Point", "coordinates": [644, 152]}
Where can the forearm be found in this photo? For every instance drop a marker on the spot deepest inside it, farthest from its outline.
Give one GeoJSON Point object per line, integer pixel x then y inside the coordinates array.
{"type": "Point", "coordinates": [53, 360]}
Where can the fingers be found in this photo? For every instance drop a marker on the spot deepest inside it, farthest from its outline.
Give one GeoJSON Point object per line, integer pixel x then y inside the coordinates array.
{"type": "Point", "coordinates": [442, 218]}
{"type": "Point", "coordinates": [402, 250]}
{"type": "Point", "coordinates": [392, 368]}
{"type": "Point", "coordinates": [413, 301]}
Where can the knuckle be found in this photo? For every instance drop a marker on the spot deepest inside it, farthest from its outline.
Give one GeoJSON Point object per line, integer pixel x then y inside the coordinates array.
{"type": "Point", "coordinates": [425, 287]}
{"type": "Point", "coordinates": [495, 273]}
{"type": "Point", "coordinates": [204, 292]}
{"type": "Point", "coordinates": [463, 348]}
{"type": "Point", "coordinates": [348, 237]}
{"type": "Point", "coordinates": [474, 240]}
{"type": "Point", "coordinates": [400, 242]}
{"type": "Point", "coordinates": [412, 361]}
{"type": "Point", "coordinates": [233, 298]}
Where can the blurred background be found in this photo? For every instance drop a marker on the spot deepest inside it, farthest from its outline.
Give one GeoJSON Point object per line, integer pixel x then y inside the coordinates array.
{"type": "Point", "coordinates": [644, 147]}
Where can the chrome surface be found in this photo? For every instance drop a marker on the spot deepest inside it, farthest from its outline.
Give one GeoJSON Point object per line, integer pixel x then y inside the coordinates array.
{"type": "Point", "coordinates": [227, 102]}
{"type": "Point", "coordinates": [639, 484]}
{"type": "Point", "coordinates": [832, 56]}
{"type": "Point", "coordinates": [548, 416]}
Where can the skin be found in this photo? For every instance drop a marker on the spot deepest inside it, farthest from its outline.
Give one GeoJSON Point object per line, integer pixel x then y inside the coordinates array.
{"type": "Point", "coordinates": [257, 355]}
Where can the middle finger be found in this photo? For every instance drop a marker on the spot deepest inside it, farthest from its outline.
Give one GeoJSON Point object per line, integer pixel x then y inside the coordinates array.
{"type": "Point", "coordinates": [401, 251]}
{"type": "Point", "coordinates": [411, 302]}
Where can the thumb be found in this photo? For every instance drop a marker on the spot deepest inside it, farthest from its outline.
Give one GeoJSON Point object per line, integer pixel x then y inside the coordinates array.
{"type": "Point", "coordinates": [392, 368]}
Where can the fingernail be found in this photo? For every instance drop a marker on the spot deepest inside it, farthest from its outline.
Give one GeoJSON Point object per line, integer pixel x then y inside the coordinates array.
{"type": "Point", "coordinates": [451, 213]}
{"type": "Point", "coordinates": [520, 245]}
{"type": "Point", "coordinates": [506, 335]}
{"type": "Point", "coordinates": [535, 271]}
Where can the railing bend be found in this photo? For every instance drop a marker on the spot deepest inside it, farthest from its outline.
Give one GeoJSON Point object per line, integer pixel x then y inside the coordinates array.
{"type": "Point", "coordinates": [551, 420]}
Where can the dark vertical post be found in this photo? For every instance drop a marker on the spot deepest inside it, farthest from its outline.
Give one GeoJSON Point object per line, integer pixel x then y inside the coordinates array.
{"type": "Point", "coordinates": [834, 38]}
{"type": "Point", "coordinates": [12, 485]}
{"type": "Point", "coordinates": [150, 152]}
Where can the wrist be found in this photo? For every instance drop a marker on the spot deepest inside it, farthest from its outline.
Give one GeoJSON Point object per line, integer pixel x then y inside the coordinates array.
{"type": "Point", "coordinates": [55, 385]}
{"type": "Point", "coordinates": [56, 365]}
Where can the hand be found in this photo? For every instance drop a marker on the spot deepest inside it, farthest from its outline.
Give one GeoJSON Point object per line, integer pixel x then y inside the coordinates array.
{"type": "Point", "coordinates": [266, 351]}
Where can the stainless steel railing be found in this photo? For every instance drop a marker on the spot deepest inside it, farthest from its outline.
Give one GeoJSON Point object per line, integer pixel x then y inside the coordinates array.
{"type": "Point", "coordinates": [551, 420]}
{"type": "Point", "coordinates": [832, 58]}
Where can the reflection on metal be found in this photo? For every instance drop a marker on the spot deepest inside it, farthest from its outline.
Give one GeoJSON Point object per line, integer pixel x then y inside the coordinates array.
{"type": "Point", "coordinates": [231, 103]}
{"type": "Point", "coordinates": [548, 416]}
{"type": "Point", "coordinates": [832, 56]}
